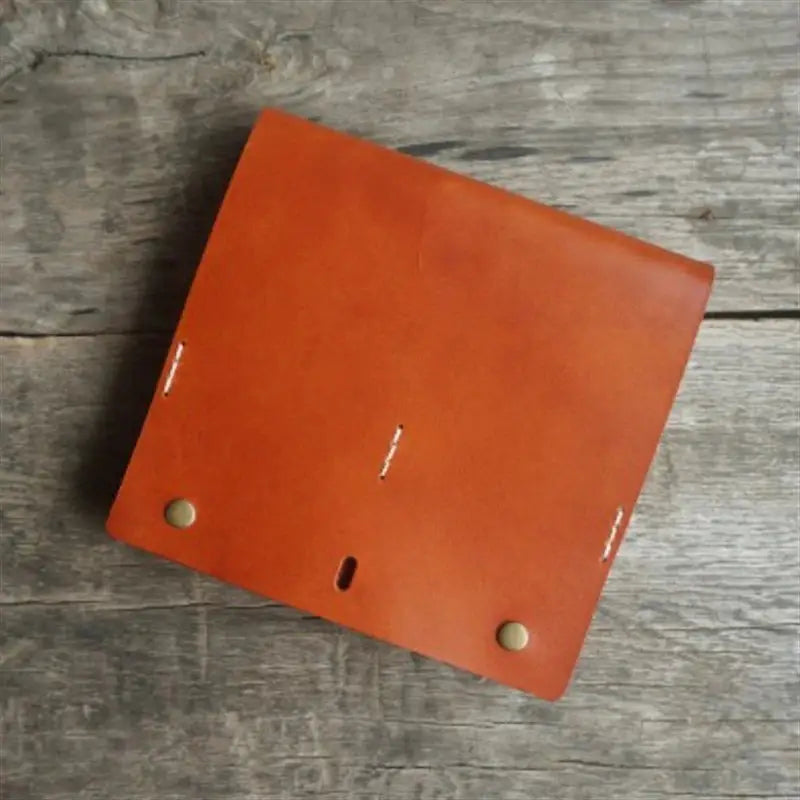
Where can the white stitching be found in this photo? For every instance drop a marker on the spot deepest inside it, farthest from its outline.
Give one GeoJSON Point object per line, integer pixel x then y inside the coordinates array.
{"type": "Point", "coordinates": [613, 534]}
{"type": "Point", "coordinates": [387, 462]}
{"type": "Point", "coordinates": [173, 368]}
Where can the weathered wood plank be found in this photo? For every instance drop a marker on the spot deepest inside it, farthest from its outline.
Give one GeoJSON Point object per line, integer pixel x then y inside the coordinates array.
{"type": "Point", "coordinates": [675, 122]}
{"type": "Point", "coordinates": [126, 676]}
{"type": "Point", "coordinates": [73, 407]}
{"type": "Point", "coordinates": [231, 703]}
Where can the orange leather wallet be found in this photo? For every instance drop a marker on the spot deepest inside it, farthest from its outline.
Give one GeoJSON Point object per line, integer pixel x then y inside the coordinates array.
{"type": "Point", "coordinates": [411, 403]}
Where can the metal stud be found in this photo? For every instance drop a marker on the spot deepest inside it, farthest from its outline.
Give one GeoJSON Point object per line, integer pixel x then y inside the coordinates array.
{"type": "Point", "coordinates": [180, 513]}
{"type": "Point", "coordinates": [513, 636]}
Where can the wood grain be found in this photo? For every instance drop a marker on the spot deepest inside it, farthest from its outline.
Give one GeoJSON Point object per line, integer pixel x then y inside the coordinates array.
{"type": "Point", "coordinates": [125, 676]}
{"type": "Point", "coordinates": [675, 122]}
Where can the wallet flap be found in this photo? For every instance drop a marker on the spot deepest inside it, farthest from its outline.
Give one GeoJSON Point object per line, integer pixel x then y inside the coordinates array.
{"type": "Point", "coordinates": [411, 403]}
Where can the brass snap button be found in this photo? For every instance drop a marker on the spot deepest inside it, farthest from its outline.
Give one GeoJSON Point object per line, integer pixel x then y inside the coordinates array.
{"type": "Point", "coordinates": [180, 513]}
{"type": "Point", "coordinates": [513, 636]}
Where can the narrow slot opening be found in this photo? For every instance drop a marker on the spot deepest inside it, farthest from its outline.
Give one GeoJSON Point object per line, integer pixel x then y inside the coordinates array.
{"type": "Point", "coordinates": [346, 573]}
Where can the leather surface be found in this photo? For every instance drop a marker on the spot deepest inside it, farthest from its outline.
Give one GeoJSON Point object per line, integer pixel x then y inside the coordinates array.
{"type": "Point", "coordinates": [531, 358]}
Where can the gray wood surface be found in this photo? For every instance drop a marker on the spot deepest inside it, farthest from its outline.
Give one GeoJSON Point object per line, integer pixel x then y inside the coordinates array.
{"type": "Point", "coordinates": [122, 676]}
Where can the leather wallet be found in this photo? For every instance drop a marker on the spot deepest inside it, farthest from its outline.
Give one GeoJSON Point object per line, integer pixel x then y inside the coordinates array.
{"type": "Point", "coordinates": [411, 403]}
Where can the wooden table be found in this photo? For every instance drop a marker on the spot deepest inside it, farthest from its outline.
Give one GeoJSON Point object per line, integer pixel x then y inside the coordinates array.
{"type": "Point", "coordinates": [127, 677]}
